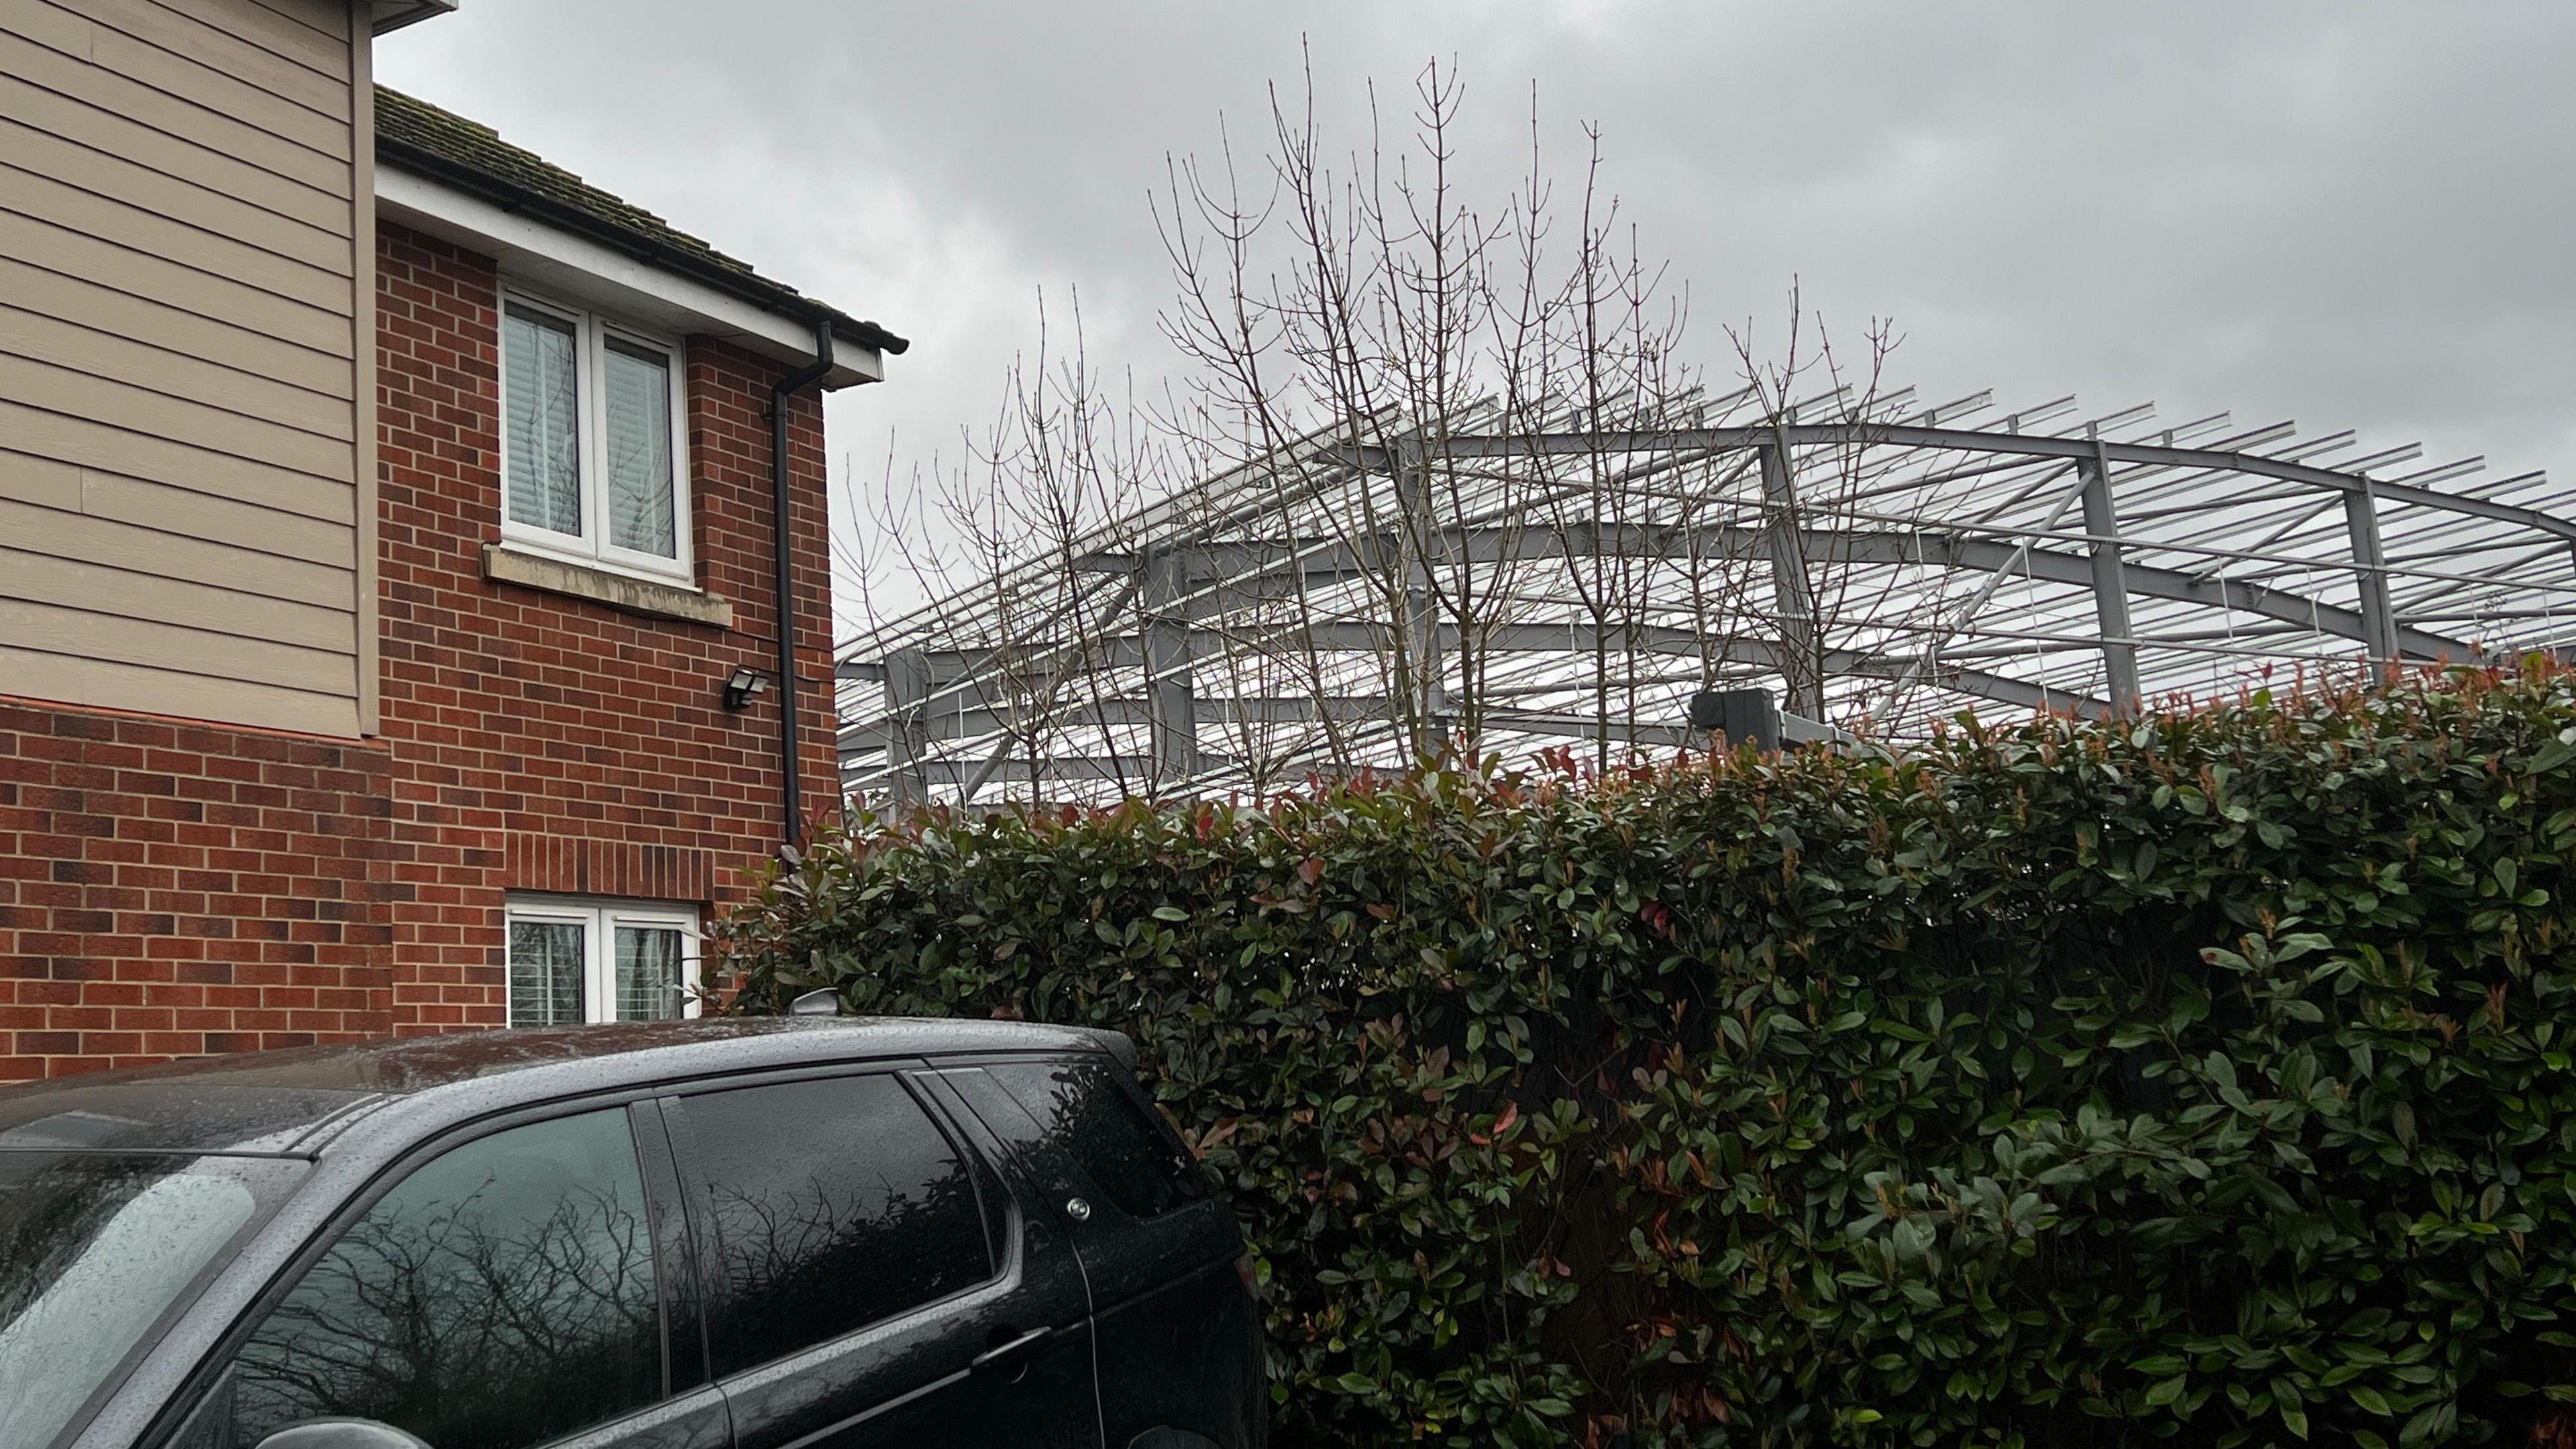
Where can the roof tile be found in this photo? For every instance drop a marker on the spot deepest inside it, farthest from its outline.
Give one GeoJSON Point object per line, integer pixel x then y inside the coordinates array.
{"type": "Point", "coordinates": [415, 135]}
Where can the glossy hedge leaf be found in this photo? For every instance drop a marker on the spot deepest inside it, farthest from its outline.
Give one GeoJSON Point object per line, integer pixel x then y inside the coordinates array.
{"type": "Point", "coordinates": [2200, 1080]}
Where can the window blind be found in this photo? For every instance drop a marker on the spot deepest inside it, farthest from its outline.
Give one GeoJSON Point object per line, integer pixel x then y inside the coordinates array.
{"type": "Point", "coordinates": [540, 366]}
{"type": "Point", "coordinates": [639, 451]}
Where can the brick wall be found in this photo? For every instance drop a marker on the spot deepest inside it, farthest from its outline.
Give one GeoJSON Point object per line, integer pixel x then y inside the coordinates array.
{"type": "Point", "coordinates": [170, 888]}
{"type": "Point", "coordinates": [547, 743]}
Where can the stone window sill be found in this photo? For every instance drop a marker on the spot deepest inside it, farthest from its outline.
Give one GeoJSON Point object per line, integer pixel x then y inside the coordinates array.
{"type": "Point", "coordinates": [622, 592]}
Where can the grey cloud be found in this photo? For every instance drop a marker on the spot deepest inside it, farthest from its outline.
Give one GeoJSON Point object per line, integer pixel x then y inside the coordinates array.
{"type": "Point", "coordinates": [2354, 214]}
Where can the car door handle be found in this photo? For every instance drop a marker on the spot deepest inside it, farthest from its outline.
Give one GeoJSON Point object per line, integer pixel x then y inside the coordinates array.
{"type": "Point", "coordinates": [1007, 1355]}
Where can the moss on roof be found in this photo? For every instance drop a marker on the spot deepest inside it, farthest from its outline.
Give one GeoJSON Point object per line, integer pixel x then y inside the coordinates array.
{"type": "Point", "coordinates": [414, 135]}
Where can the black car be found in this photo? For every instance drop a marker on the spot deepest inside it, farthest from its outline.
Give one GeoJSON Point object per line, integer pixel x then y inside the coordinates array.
{"type": "Point", "coordinates": [723, 1234]}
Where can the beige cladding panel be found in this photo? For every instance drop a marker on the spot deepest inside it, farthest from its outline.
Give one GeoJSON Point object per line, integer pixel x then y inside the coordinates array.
{"type": "Point", "coordinates": [181, 438]}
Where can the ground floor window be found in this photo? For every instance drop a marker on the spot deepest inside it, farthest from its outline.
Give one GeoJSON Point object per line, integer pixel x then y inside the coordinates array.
{"type": "Point", "coordinates": [573, 959]}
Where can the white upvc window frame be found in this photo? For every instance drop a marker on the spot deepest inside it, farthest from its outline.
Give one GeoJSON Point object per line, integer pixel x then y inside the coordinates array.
{"type": "Point", "coordinates": [600, 917]}
{"type": "Point", "coordinates": [592, 333]}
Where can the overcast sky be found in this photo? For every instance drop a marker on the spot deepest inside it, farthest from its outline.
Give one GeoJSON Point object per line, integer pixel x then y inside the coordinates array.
{"type": "Point", "coordinates": [2356, 215]}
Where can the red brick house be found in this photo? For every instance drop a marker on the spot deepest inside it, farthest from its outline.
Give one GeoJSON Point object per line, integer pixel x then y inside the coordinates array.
{"type": "Point", "coordinates": [484, 734]}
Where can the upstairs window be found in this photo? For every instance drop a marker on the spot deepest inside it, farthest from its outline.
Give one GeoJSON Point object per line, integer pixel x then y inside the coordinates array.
{"type": "Point", "coordinates": [594, 444]}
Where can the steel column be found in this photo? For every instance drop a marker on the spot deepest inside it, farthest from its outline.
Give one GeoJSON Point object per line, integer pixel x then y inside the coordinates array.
{"type": "Point", "coordinates": [1171, 695]}
{"type": "Point", "coordinates": [2110, 585]}
{"type": "Point", "coordinates": [1420, 536]}
{"type": "Point", "coordinates": [907, 690]}
{"type": "Point", "coordinates": [2370, 566]}
{"type": "Point", "coordinates": [1792, 591]}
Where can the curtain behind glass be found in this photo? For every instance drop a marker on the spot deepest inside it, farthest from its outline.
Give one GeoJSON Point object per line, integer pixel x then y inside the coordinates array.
{"type": "Point", "coordinates": [541, 382]}
{"type": "Point", "coordinates": [639, 451]}
{"type": "Point", "coordinates": [545, 973]}
{"type": "Point", "coordinates": [648, 974]}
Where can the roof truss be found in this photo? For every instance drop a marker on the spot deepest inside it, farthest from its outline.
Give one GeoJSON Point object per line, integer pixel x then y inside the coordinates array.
{"type": "Point", "coordinates": [1337, 603]}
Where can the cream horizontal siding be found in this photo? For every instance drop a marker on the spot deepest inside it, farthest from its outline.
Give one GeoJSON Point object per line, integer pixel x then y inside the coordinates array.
{"type": "Point", "coordinates": [193, 375]}
{"type": "Point", "coordinates": [127, 523]}
{"type": "Point", "coordinates": [78, 679]}
{"type": "Point", "coordinates": [330, 20]}
{"type": "Point", "coordinates": [35, 146]}
{"type": "Point", "coordinates": [292, 464]}
{"type": "Point", "coordinates": [181, 527]}
{"type": "Point", "coordinates": [66, 67]}
{"type": "Point", "coordinates": [106, 448]}
{"type": "Point", "coordinates": [85, 120]}
{"type": "Point", "coordinates": [177, 328]}
{"type": "Point", "coordinates": [77, 251]}
{"type": "Point", "coordinates": [150, 595]}
{"type": "Point", "coordinates": [175, 71]}
{"type": "Point", "coordinates": [272, 29]}
{"type": "Point", "coordinates": [186, 518]}
{"type": "Point", "coordinates": [210, 31]}
{"type": "Point", "coordinates": [175, 648]}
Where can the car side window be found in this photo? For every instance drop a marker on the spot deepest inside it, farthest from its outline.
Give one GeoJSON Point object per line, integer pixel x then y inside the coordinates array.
{"type": "Point", "coordinates": [499, 1296]}
{"type": "Point", "coordinates": [837, 1203]}
{"type": "Point", "coordinates": [1130, 1153]}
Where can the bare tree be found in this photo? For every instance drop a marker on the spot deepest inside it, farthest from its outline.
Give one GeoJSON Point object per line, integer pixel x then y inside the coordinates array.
{"type": "Point", "coordinates": [1438, 471]}
{"type": "Point", "coordinates": [1438, 477]}
{"type": "Point", "coordinates": [1282, 557]}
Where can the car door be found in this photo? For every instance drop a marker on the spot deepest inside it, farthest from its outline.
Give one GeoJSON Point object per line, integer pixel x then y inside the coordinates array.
{"type": "Point", "coordinates": [504, 1291]}
{"type": "Point", "coordinates": [1179, 1334]}
{"type": "Point", "coordinates": [867, 1280]}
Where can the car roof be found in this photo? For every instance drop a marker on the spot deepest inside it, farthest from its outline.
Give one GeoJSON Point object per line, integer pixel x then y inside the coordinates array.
{"type": "Point", "coordinates": [290, 1101]}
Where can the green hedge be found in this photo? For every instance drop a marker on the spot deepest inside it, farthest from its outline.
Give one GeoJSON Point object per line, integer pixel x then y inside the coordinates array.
{"type": "Point", "coordinates": [2202, 1080]}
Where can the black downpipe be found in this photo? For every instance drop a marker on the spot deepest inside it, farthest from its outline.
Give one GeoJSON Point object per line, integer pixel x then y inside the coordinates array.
{"type": "Point", "coordinates": [793, 818]}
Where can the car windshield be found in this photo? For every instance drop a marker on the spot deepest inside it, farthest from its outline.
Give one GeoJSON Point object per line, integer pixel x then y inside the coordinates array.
{"type": "Point", "coordinates": [95, 1247]}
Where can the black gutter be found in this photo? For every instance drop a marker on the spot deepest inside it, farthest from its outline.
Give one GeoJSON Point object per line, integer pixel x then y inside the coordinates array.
{"type": "Point", "coordinates": [790, 791]}
{"type": "Point", "coordinates": [734, 282]}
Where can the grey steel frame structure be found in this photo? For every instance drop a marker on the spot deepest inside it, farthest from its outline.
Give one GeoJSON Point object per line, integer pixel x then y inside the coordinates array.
{"type": "Point", "coordinates": [1338, 600]}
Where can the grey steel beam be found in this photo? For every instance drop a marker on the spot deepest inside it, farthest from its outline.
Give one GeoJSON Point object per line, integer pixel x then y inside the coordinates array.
{"type": "Point", "coordinates": [871, 737]}
{"type": "Point", "coordinates": [1022, 771]}
{"type": "Point", "coordinates": [1115, 768]}
{"type": "Point", "coordinates": [1969, 440]}
{"type": "Point", "coordinates": [1357, 637]}
{"type": "Point", "coordinates": [1796, 728]}
{"type": "Point", "coordinates": [897, 735]}
{"type": "Point", "coordinates": [1985, 684]}
{"type": "Point", "coordinates": [1586, 727]}
{"type": "Point", "coordinates": [2110, 584]}
{"type": "Point", "coordinates": [1327, 563]}
{"type": "Point", "coordinates": [1299, 709]}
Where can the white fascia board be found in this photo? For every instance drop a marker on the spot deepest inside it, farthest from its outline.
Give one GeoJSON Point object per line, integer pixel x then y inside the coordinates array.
{"type": "Point", "coordinates": [387, 16]}
{"type": "Point", "coordinates": [580, 270]}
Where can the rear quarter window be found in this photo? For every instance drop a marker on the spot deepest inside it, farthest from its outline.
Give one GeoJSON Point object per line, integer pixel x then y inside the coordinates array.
{"type": "Point", "coordinates": [837, 1203]}
{"type": "Point", "coordinates": [1123, 1145]}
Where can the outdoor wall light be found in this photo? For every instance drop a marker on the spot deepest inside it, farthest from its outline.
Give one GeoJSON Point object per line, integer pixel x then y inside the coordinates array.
{"type": "Point", "coordinates": [744, 683]}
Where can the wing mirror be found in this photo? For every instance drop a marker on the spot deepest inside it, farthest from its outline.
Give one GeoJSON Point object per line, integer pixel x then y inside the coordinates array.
{"type": "Point", "coordinates": [341, 1434]}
